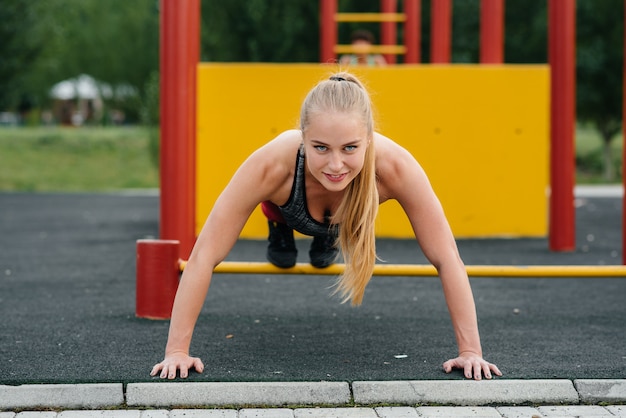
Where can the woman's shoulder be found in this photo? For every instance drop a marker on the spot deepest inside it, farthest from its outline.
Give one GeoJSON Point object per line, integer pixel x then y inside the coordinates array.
{"type": "Point", "coordinates": [389, 152]}
{"type": "Point", "coordinates": [282, 149]}
{"type": "Point", "coordinates": [393, 161]}
{"type": "Point", "coordinates": [276, 159]}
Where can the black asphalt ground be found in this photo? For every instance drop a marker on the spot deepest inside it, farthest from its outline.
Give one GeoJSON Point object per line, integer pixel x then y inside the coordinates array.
{"type": "Point", "coordinates": [67, 303]}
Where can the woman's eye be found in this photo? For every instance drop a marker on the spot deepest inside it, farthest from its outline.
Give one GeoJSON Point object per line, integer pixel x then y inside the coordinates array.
{"type": "Point", "coordinates": [350, 147]}
{"type": "Point", "coordinates": [320, 148]}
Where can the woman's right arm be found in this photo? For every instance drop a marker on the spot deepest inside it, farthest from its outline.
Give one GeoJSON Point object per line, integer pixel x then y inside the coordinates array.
{"type": "Point", "coordinates": [256, 180]}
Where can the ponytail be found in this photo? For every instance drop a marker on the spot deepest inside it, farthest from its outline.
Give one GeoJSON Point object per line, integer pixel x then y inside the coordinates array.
{"type": "Point", "coordinates": [357, 211]}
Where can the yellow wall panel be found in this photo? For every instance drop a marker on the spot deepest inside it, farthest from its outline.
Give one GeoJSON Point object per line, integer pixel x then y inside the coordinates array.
{"type": "Point", "coordinates": [481, 133]}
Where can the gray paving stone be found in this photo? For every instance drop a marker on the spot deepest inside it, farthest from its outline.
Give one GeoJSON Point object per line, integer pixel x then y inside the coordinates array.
{"type": "Point", "coordinates": [155, 413]}
{"type": "Point", "coordinates": [587, 411]}
{"type": "Point", "coordinates": [457, 412]}
{"type": "Point", "coordinates": [7, 414]}
{"type": "Point", "coordinates": [601, 390]}
{"type": "Point", "coordinates": [335, 413]}
{"type": "Point", "coordinates": [100, 414]}
{"type": "Point", "coordinates": [233, 393]}
{"type": "Point", "coordinates": [518, 412]}
{"type": "Point", "coordinates": [88, 396]}
{"type": "Point", "coordinates": [36, 414]}
{"type": "Point", "coordinates": [203, 413]}
{"type": "Point", "coordinates": [396, 412]}
{"type": "Point", "coordinates": [266, 413]}
{"type": "Point", "coordinates": [617, 410]}
{"type": "Point", "coordinates": [466, 392]}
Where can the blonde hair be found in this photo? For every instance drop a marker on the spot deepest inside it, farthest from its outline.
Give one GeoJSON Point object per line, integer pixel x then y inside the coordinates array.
{"type": "Point", "coordinates": [343, 92]}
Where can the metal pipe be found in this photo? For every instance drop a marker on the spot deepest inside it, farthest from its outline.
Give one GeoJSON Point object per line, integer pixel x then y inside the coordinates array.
{"type": "Point", "coordinates": [179, 50]}
{"type": "Point", "coordinates": [412, 29]}
{"type": "Point", "coordinates": [328, 31]}
{"type": "Point", "coordinates": [491, 31]}
{"type": "Point", "coordinates": [562, 56]}
{"type": "Point", "coordinates": [440, 31]}
{"type": "Point", "coordinates": [245, 267]}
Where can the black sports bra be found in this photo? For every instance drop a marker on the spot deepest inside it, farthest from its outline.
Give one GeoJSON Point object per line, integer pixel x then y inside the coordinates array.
{"type": "Point", "coordinates": [295, 211]}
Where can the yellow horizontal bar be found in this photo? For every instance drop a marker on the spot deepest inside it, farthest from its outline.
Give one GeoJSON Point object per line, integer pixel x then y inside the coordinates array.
{"type": "Point", "coordinates": [244, 267]}
{"type": "Point", "coordinates": [374, 49]}
{"type": "Point", "coordinates": [370, 17]}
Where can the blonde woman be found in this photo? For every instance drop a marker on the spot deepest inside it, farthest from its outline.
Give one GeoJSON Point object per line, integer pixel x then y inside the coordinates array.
{"type": "Point", "coordinates": [330, 175]}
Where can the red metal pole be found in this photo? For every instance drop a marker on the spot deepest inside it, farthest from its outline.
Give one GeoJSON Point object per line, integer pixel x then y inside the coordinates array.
{"type": "Point", "coordinates": [412, 31]}
{"type": "Point", "coordinates": [562, 49]}
{"type": "Point", "coordinates": [624, 146]}
{"type": "Point", "coordinates": [491, 31]}
{"type": "Point", "coordinates": [157, 278]}
{"type": "Point", "coordinates": [328, 31]}
{"type": "Point", "coordinates": [180, 38]}
{"type": "Point", "coordinates": [441, 29]}
{"type": "Point", "coordinates": [388, 30]}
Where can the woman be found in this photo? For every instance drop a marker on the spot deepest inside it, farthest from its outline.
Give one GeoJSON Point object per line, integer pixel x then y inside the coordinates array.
{"type": "Point", "coordinates": [343, 171]}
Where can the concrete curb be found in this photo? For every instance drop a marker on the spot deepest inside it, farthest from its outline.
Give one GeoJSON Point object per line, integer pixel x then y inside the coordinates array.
{"type": "Point", "coordinates": [85, 396]}
{"type": "Point", "coordinates": [234, 393]}
{"type": "Point", "coordinates": [466, 392]}
{"type": "Point", "coordinates": [247, 394]}
{"type": "Point", "coordinates": [601, 390]}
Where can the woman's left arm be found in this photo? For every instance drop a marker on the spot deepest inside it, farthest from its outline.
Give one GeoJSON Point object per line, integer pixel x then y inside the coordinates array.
{"type": "Point", "coordinates": [403, 179]}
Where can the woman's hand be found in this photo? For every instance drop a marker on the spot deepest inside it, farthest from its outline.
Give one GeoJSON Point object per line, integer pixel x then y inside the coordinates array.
{"type": "Point", "coordinates": [177, 361]}
{"type": "Point", "coordinates": [473, 365]}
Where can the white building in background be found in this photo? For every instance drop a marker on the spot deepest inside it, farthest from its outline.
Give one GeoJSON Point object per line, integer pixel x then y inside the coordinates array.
{"type": "Point", "coordinates": [81, 99]}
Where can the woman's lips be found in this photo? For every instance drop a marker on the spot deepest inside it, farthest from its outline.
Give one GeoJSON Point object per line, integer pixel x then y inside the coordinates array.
{"type": "Point", "coordinates": [335, 178]}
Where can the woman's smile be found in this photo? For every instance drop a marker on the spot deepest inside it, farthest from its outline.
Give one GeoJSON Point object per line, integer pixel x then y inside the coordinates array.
{"type": "Point", "coordinates": [336, 178]}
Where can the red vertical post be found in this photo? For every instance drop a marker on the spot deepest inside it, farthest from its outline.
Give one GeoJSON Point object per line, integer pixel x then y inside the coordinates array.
{"type": "Point", "coordinates": [412, 31]}
{"type": "Point", "coordinates": [389, 30]}
{"type": "Point", "coordinates": [157, 278]}
{"type": "Point", "coordinates": [179, 48]}
{"type": "Point", "coordinates": [561, 48]}
{"type": "Point", "coordinates": [441, 29]}
{"type": "Point", "coordinates": [328, 31]}
{"type": "Point", "coordinates": [491, 31]}
{"type": "Point", "coordinates": [624, 146]}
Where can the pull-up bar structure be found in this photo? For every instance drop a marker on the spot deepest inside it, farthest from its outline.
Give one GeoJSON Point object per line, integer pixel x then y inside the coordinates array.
{"type": "Point", "coordinates": [179, 59]}
{"type": "Point", "coordinates": [159, 268]}
{"type": "Point", "coordinates": [421, 270]}
{"type": "Point", "coordinates": [159, 262]}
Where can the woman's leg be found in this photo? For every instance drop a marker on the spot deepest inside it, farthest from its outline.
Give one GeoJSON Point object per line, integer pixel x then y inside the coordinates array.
{"type": "Point", "coordinates": [281, 250]}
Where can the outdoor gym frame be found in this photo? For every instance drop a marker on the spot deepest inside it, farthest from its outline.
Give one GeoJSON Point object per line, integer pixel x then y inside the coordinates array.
{"type": "Point", "coordinates": [159, 262]}
{"type": "Point", "coordinates": [159, 267]}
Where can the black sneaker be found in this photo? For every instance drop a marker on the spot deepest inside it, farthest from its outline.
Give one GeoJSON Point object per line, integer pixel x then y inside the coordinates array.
{"type": "Point", "coordinates": [281, 250]}
{"type": "Point", "coordinates": [323, 251]}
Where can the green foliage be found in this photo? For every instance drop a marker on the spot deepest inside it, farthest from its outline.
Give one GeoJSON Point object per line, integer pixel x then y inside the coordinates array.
{"type": "Point", "coordinates": [599, 70]}
{"type": "Point", "coordinates": [260, 31]}
{"type": "Point", "coordinates": [600, 46]}
{"type": "Point", "coordinates": [592, 155]}
{"type": "Point", "coordinates": [46, 41]}
{"type": "Point", "coordinates": [526, 32]}
{"type": "Point", "coordinates": [150, 116]}
{"type": "Point", "coordinates": [25, 36]}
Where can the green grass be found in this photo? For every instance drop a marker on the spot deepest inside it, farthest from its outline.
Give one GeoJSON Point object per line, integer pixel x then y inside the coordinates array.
{"type": "Point", "coordinates": [113, 158]}
{"type": "Point", "coordinates": [75, 159]}
{"type": "Point", "coordinates": [589, 156]}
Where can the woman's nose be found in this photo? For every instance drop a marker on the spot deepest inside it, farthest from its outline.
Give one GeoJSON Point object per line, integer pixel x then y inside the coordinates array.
{"type": "Point", "coordinates": [335, 162]}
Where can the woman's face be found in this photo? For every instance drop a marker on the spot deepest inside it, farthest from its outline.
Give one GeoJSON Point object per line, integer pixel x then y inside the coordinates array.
{"type": "Point", "coordinates": [335, 145]}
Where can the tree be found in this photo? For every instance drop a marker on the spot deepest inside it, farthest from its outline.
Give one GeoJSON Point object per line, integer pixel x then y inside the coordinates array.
{"type": "Point", "coordinates": [24, 38]}
{"type": "Point", "coordinates": [116, 42]}
{"type": "Point", "coordinates": [260, 31]}
{"type": "Point", "coordinates": [600, 70]}
{"type": "Point", "coordinates": [46, 41]}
